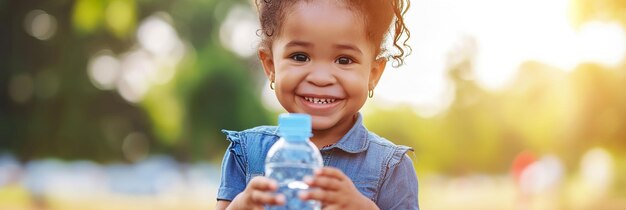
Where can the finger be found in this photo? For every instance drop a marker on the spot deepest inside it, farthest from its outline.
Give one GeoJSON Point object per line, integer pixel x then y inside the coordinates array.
{"type": "Point", "coordinates": [260, 197]}
{"type": "Point", "coordinates": [334, 207]}
{"type": "Point", "coordinates": [263, 184]}
{"type": "Point", "coordinates": [330, 171]}
{"type": "Point", "coordinates": [319, 195]}
{"type": "Point", "coordinates": [324, 182]}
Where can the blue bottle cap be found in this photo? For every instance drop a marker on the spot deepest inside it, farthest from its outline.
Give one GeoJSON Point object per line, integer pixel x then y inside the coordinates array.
{"type": "Point", "coordinates": [294, 124]}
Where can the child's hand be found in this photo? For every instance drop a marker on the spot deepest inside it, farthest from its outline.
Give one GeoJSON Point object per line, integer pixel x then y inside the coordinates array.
{"type": "Point", "coordinates": [258, 193]}
{"type": "Point", "coordinates": [336, 191]}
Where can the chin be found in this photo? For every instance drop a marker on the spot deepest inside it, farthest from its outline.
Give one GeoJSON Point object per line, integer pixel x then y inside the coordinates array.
{"type": "Point", "coordinates": [322, 123]}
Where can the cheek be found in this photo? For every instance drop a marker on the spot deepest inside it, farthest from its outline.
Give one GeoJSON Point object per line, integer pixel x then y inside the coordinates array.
{"type": "Point", "coordinates": [287, 78]}
{"type": "Point", "coordinates": [286, 82]}
{"type": "Point", "coordinates": [358, 96]}
{"type": "Point", "coordinates": [284, 92]}
{"type": "Point", "coordinates": [283, 86]}
{"type": "Point", "coordinates": [356, 85]}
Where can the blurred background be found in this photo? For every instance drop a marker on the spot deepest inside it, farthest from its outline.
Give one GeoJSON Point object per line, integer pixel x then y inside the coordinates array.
{"type": "Point", "coordinates": [118, 104]}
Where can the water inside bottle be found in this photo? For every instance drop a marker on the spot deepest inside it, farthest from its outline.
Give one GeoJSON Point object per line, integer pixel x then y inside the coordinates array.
{"type": "Point", "coordinates": [290, 176]}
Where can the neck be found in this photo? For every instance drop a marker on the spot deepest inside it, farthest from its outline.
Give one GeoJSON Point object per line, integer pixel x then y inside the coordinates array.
{"type": "Point", "coordinates": [332, 135]}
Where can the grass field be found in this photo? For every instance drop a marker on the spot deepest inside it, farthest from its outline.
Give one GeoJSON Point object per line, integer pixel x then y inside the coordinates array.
{"type": "Point", "coordinates": [436, 193]}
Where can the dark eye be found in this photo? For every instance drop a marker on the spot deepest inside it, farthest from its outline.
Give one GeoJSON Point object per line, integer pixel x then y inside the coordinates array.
{"type": "Point", "coordinates": [344, 60]}
{"type": "Point", "coordinates": [300, 57]}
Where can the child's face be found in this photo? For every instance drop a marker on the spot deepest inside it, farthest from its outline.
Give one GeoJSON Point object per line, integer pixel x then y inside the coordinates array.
{"type": "Point", "coordinates": [322, 63]}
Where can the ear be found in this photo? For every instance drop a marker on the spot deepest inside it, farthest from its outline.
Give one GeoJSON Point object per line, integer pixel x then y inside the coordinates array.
{"type": "Point", "coordinates": [268, 63]}
{"type": "Point", "coordinates": [378, 67]}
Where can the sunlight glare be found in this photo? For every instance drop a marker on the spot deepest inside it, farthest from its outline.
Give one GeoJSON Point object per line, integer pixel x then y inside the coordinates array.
{"type": "Point", "coordinates": [507, 33]}
{"type": "Point", "coordinates": [603, 43]}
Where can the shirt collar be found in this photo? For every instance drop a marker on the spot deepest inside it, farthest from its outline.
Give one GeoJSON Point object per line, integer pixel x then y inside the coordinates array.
{"type": "Point", "coordinates": [355, 141]}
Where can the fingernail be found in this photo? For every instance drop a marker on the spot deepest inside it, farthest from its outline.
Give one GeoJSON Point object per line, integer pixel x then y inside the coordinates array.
{"type": "Point", "coordinates": [280, 199]}
{"type": "Point", "coordinates": [317, 171]}
{"type": "Point", "coordinates": [273, 185]}
{"type": "Point", "coordinates": [303, 195]}
{"type": "Point", "coordinates": [308, 179]}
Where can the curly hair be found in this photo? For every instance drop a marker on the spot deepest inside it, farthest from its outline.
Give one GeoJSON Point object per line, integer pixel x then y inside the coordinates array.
{"type": "Point", "coordinates": [378, 16]}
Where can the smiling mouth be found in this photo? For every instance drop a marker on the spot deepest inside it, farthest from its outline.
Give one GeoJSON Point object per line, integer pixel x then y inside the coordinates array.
{"type": "Point", "coordinates": [320, 100]}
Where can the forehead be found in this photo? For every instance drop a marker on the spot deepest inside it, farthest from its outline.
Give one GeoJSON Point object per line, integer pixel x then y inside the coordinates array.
{"type": "Point", "coordinates": [323, 19]}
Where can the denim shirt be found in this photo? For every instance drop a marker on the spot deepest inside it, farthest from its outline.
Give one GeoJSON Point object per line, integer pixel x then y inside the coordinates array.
{"type": "Point", "coordinates": [379, 169]}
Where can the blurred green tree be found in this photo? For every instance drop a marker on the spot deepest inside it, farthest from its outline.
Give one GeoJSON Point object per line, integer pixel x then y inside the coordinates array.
{"type": "Point", "coordinates": [49, 107]}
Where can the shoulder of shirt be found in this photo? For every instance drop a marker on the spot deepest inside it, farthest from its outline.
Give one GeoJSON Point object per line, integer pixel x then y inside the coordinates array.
{"type": "Point", "coordinates": [259, 130]}
{"type": "Point", "coordinates": [264, 129]}
{"type": "Point", "coordinates": [399, 151]}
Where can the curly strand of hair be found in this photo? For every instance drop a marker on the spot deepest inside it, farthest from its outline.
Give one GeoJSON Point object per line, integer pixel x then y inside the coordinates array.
{"type": "Point", "coordinates": [269, 32]}
{"type": "Point", "coordinates": [270, 14]}
{"type": "Point", "coordinates": [400, 8]}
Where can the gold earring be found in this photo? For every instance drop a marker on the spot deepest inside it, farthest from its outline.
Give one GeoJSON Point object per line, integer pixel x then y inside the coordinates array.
{"type": "Point", "coordinates": [370, 93]}
{"type": "Point", "coordinates": [272, 85]}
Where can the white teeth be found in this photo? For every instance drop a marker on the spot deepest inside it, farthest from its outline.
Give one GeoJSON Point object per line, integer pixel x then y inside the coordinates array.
{"type": "Point", "coordinates": [320, 100]}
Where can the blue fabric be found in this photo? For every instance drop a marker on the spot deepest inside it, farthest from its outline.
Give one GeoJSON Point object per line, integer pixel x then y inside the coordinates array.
{"type": "Point", "coordinates": [379, 169]}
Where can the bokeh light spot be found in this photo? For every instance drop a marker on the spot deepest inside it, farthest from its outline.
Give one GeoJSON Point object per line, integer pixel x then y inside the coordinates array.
{"type": "Point", "coordinates": [156, 35]}
{"type": "Point", "coordinates": [135, 146]}
{"type": "Point", "coordinates": [40, 24]}
{"type": "Point", "coordinates": [134, 82]}
{"type": "Point", "coordinates": [21, 88]}
{"type": "Point", "coordinates": [596, 168]}
{"type": "Point", "coordinates": [104, 70]}
{"type": "Point", "coordinates": [238, 31]}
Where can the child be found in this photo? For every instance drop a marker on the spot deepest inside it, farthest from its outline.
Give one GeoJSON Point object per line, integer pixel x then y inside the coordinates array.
{"type": "Point", "coordinates": [324, 58]}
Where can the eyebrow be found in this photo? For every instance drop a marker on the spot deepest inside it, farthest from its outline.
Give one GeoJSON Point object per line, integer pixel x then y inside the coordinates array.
{"type": "Point", "coordinates": [348, 47]}
{"type": "Point", "coordinates": [296, 43]}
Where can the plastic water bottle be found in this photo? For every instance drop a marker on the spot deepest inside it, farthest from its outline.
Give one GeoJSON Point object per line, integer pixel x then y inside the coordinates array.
{"type": "Point", "coordinates": [292, 158]}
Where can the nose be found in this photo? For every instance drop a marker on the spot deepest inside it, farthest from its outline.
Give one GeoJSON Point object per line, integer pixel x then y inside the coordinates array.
{"type": "Point", "coordinates": [321, 75]}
